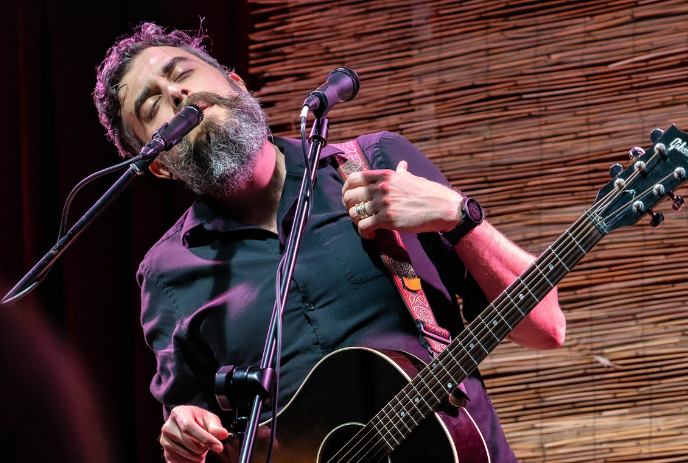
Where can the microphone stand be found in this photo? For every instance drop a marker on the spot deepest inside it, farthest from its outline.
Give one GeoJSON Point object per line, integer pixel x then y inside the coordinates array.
{"type": "Point", "coordinates": [256, 386]}
{"type": "Point", "coordinates": [33, 278]}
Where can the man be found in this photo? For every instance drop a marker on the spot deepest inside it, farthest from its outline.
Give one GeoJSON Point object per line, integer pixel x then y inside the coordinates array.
{"type": "Point", "coordinates": [208, 284]}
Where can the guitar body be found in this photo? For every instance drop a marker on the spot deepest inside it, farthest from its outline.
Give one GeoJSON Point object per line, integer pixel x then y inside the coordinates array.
{"type": "Point", "coordinates": [343, 392]}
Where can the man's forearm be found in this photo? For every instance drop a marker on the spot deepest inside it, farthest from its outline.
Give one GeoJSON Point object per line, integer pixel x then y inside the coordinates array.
{"type": "Point", "coordinates": [495, 262]}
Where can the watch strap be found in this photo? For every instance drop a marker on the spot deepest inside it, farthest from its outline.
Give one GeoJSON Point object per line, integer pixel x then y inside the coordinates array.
{"type": "Point", "coordinates": [473, 216]}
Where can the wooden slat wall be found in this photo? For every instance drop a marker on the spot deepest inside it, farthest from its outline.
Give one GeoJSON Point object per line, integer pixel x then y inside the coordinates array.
{"type": "Point", "coordinates": [525, 105]}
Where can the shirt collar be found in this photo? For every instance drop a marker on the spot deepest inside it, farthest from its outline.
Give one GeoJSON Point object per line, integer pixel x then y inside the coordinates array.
{"type": "Point", "coordinates": [203, 222]}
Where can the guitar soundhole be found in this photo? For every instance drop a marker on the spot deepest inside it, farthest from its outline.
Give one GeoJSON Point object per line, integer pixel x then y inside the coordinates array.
{"type": "Point", "coordinates": [336, 447]}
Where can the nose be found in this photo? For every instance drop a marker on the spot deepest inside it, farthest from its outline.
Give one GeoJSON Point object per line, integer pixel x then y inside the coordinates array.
{"type": "Point", "coordinates": [177, 95]}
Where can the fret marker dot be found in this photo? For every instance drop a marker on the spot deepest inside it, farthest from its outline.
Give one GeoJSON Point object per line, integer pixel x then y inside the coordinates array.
{"type": "Point", "coordinates": [416, 399]}
{"type": "Point", "coordinates": [520, 296]}
{"type": "Point", "coordinates": [472, 345]}
{"type": "Point", "coordinates": [434, 365]}
{"type": "Point", "coordinates": [494, 322]}
{"type": "Point", "coordinates": [551, 267]}
{"type": "Point", "coordinates": [403, 413]}
{"type": "Point", "coordinates": [449, 385]}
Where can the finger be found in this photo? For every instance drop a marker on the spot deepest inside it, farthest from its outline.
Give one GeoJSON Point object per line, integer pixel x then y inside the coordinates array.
{"type": "Point", "coordinates": [182, 444]}
{"type": "Point", "coordinates": [358, 194]}
{"type": "Point", "coordinates": [173, 436]}
{"type": "Point", "coordinates": [357, 179]}
{"type": "Point", "coordinates": [190, 427]}
{"type": "Point", "coordinates": [367, 227]}
{"type": "Point", "coordinates": [214, 427]}
{"type": "Point", "coordinates": [402, 167]}
{"type": "Point", "coordinates": [367, 208]}
{"type": "Point", "coordinates": [174, 452]}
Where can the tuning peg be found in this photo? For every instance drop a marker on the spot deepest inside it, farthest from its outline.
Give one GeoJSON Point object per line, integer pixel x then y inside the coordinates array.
{"type": "Point", "coordinates": [635, 152]}
{"type": "Point", "coordinates": [657, 218]}
{"type": "Point", "coordinates": [677, 201]}
{"type": "Point", "coordinates": [615, 170]}
{"type": "Point", "coordinates": [655, 134]}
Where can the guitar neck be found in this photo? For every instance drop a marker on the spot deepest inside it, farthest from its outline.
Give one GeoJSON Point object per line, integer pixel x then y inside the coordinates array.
{"type": "Point", "coordinates": [425, 392]}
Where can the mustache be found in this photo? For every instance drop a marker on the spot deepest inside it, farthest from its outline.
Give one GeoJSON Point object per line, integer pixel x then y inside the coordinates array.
{"type": "Point", "coordinates": [228, 102]}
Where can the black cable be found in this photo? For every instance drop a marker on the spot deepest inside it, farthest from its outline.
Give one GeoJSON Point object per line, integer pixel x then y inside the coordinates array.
{"type": "Point", "coordinates": [81, 184]}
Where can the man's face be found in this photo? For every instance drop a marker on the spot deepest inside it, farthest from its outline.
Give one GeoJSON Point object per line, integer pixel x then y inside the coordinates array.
{"type": "Point", "coordinates": [215, 158]}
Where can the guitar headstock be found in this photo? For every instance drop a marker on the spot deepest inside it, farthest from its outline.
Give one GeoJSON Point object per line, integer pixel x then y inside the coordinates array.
{"type": "Point", "coordinates": [652, 176]}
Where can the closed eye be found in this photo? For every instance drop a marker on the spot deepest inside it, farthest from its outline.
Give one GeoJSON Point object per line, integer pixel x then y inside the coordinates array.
{"type": "Point", "coordinates": [154, 109]}
{"type": "Point", "coordinates": [183, 75]}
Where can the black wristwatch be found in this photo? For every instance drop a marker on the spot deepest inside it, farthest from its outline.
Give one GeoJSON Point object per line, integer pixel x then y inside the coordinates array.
{"type": "Point", "coordinates": [473, 216]}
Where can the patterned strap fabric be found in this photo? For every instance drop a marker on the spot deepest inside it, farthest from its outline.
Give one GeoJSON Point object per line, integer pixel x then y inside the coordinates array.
{"type": "Point", "coordinates": [398, 261]}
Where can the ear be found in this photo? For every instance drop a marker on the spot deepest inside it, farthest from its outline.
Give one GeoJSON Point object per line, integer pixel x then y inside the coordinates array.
{"type": "Point", "coordinates": [237, 79]}
{"type": "Point", "coordinates": [159, 170]}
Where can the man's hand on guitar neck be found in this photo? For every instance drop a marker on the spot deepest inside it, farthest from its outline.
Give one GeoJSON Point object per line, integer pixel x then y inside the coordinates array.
{"type": "Point", "coordinates": [189, 433]}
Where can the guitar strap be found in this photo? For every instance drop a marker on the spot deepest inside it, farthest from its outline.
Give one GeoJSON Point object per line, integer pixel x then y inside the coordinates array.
{"type": "Point", "coordinates": [398, 262]}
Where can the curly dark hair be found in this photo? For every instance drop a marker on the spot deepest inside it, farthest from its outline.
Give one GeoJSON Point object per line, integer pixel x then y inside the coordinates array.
{"type": "Point", "coordinates": [117, 61]}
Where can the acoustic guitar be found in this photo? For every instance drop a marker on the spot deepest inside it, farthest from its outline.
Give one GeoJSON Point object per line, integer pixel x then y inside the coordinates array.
{"type": "Point", "coordinates": [363, 405]}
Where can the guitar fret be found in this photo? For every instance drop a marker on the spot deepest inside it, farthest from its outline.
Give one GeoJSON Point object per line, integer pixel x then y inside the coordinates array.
{"type": "Point", "coordinates": [402, 414]}
{"type": "Point", "coordinates": [447, 386]}
{"type": "Point", "coordinates": [421, 379]}
{"type": "Point", "coordinates": [541, 273]}
{"type": "Point", "coordinates": [558, 258]}
{"type": "Point", "coordinates": [574, 240]}
{"type": "Point", "coordinates": [514, 303]}
{"type": "Point", "coordinates": [414, 403]}
{"type": "Point", "coordinates": [420, 396]}
{"type": "Point", "coordinates": [439, 381]}
{"type": "Point", "coordinates": [476, 340]}
{"type": "Point", "coordinates": [488, 328]}
{"type": "Point", "coordinates": [447, 371]}
{"type": "Point", "coordinates": [500, 316]}
{"type": "Point", "coordinates": [387, 429]}
{"type": "Point", "coordinates": [395, 419]}
{"type": "Point", "coordinates": [449, 353]}
{"type": "Point", "coordinates": [405, 413]}
{"type": "Point", "coordinates": [526, 286]}
{"type": "Point", "coordinates": [382, 436]}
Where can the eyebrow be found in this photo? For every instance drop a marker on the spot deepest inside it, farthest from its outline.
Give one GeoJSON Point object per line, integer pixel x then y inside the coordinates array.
{"type": "Point", "coordinates": [143, 95]}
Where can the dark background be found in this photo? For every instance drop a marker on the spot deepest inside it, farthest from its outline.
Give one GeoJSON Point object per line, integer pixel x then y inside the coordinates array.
{"type": "Point", "coordinates": [51, 140]}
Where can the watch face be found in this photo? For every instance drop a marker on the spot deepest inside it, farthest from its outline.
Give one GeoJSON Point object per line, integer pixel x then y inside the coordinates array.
{"type": "Point", "coordinates": [473, 210]}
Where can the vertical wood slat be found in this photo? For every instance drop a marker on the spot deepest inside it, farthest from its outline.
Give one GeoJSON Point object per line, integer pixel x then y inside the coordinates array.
{"type": "Point", "coordinates": [524, 105]}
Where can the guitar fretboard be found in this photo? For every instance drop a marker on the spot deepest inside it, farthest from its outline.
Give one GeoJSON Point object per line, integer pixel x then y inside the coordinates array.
{"type": "Point", "coordinates": [425, 392]}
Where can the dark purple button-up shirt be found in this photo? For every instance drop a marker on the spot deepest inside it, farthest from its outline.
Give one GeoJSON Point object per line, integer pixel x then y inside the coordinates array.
{"type": "Point", "coordinates": [208, 288]}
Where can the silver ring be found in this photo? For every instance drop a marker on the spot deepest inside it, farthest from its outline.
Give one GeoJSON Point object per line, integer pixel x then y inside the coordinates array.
{"type": "Point", "coordinates": [360, 210]}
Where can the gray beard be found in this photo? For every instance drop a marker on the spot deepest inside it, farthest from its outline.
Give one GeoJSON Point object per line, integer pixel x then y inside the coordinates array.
{"type": "Point", "coordinates": [222, 159]}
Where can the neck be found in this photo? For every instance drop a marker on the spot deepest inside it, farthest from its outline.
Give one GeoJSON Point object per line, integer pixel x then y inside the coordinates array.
{"type": "Point", "coordinates": [256, 203]}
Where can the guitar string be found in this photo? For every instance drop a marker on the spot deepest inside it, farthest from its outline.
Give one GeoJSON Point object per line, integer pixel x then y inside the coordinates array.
{"type": "Point", "coordinates": [612, 216]}
{"type": "Point", "coordinates": [636, 173]}
{"type": "Point", "coordinates": [441, 377]}
{"type": "Point", "coordinates": [532, 270]}
{"type": "Point", "coordinates": [427, 384]}
{"type": "Point", "coordinates": [482, 333]}
{"type": "Point", "coordinates": [434, 379]}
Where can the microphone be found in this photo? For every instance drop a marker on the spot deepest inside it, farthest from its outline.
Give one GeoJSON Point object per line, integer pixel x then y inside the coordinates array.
{"type": "Point", "coordinates": [342, 85]}
{"type": "Point", "coordinates": [172, 132]}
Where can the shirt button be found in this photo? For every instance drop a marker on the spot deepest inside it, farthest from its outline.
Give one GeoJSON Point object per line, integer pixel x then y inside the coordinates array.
{"type": "Point", "coordinates": [309, 306]}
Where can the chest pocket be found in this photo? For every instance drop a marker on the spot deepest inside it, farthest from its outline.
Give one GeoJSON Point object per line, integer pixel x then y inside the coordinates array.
{"type": "Point", "coordinates": [358, 258]}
